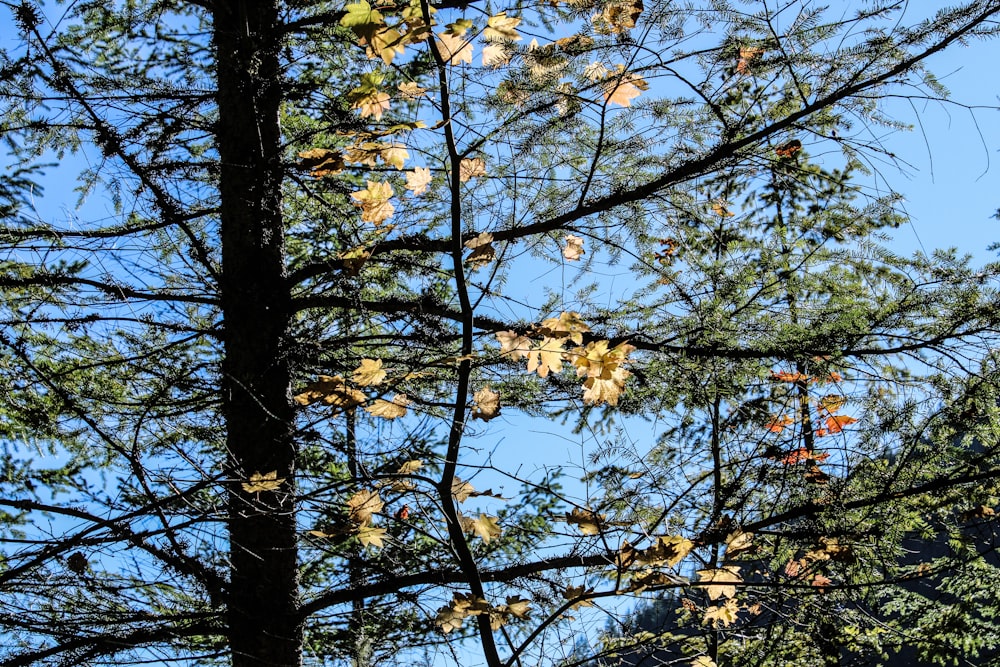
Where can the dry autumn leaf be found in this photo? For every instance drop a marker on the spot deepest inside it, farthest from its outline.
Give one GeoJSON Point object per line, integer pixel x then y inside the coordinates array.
{"type": "Point", "coordinates": [788, 149]}
{"type": "Point", "coordinates": [513, 346]}
{"type": "Point", "coordinates": [374, 202]}
{"type": "Point", "coordinates": [389, 409]}
{"type": "Point", "coordinates": [462, 490]}
{"type": "Point", "coordinates": [588, 522]}
{"type": "Point", "coordinates": [624, 88]}
{"type": "Point", "coordinates": [487, 404]}
{"type": "Point", "coordinates": [574, 248]}
{"type": "Point", "coordinates": [363, 504]}
{"type": "Point", "coordinates": [546, 357]}
{"type": "Point", "coordinates": [668, 550]}
{"type": "Point", "coordinates": [321, 162]}
{"type": "Point", "coordinates": [411, 90]}
{"type": "Point", "coordinates": [370, 536]}
{"type": "Point", "coordinates": [266, 482]}
{"type": "Point", "coordinates": [454, 49]}
{"type": "Point", "coordinates": [496, 55]}
{"type": "Point", "coordinates": [578, 593]}
{"type": "Point", "coordinates": [418, 180]}
{"type": "Point", "coordinates": [331, 391]}
{"type": "Point", "coordinates": [720, 208]}
{"type": "Point", "coordinates": [724, 615]}
{"type": "Point", "coordinates": [470, 168]}
{"type": "Point", "coordinates": [482, 250]}
{"type": "Point", "coordinates": [501, 28]}
{"type": "Point", "coordinates": [747, 55]}
{"type": "Point", "coordinates": [722, 580]}
{"type": "Point", "coordinates": [485, 527]}
{"type": "Point", "coordinates": [567, 325]}
{"type": "Point", "coordinates": [369, 373]}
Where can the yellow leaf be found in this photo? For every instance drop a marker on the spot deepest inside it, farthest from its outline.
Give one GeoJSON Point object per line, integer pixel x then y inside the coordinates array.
{"type": "Point", "coordinates": [501, 28]}
{"type": "Point", "coordinates": [738, 541]}
{"type": "Point", "coordinates": [588, 522]}
{"type": "Point", "coordinates": [722, 580]}
{"type": "Point", "coordinates": [719, 207]}
{"type": "Point", "coordinates": [546, 357]}
{"type": "Point", "coordinates": [374, 202]}
{"type": "Point", "coordinates": [418, 180]}
{"type": "Point", "coordinates": [331, 391]}
{"type": "Point", "coordinates": [487, 404]}
{"type": "Point", "coordinates": [496, 55]}
{"type": "Point", "coordinates": [574, 248]}
{"type": "Point", "coordinates": [394, 154]}
{"type": "Point", "coordinates": [485, 526]}
{"type": "Point", "coordinates": [596, 71]}
{"type": "Point", "coordinates": [410, 467]}
{"type": "Point", "coordinates": [579, 594]}
{"type": "Point", "coordinates": [669, 550]}
{"type": "Point", "coordinates": [726, 614]}
{"type": "Point", "coordinates": [517, 607]}
{"type": "Point", "coordinates": [450, 617]}
{"type": "Point", "coordinates": [321, 162]}
{"type": "Point", "coordinates": [370, 536]}
{"type": "Point", "coordinates": [389, 409]}
{"type": "Point", "coordinates": [513, 346]}
{"type": "Point", "coordinates": [471, 168]}
{"type": "Point", "coordinates": [385, 44]}
{"type": "Point", "coordinates": [703, 661]}
{"type": "Point", "coordinates": [363, 504]}
{"type": "Point", "coordinates": [462, 490]}
{"type": "Point", "coordinates": [597, 391]}
{"type": "Point", "coordinates": [369, 373]}
{"type": "Point", "coordinates": [354, 259]}
{"type": "Point", "coordinates": [373, 104]}
{"type": "Point", "coordinates": [411, 90]}
{"type": "Point", "coordinates": [454, 49]}
{"type": "Point", "coordinates": [618, 16]}
{"type": "Point", "coordinates": [266, 482]}
{"type": "Point", "coordinates": [482, 251]}
{"type": "Point", "coordinates": [567, 325]}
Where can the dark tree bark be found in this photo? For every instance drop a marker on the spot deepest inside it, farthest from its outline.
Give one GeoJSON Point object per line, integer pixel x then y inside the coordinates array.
{"type": "Point", "coordinates": [263, 604]}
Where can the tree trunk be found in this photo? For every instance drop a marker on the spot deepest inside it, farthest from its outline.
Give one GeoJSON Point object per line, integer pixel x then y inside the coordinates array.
{"type": "Point", "coordinates": [264, 628]}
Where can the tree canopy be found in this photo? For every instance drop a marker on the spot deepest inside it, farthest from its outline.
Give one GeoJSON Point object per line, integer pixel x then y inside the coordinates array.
{"type": "Point", "coordinates": [262, 410]}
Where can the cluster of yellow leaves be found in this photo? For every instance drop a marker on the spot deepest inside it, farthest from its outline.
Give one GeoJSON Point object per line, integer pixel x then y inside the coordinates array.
{"type": "Point", "coordinates": [337, 393]}
{"type": "Point", "coordinates": [618, 16]}
{"type": "Point", "coordinates": [724, 614]}
{"type": "Point", "coordinates": [602, 366]}
{"type": "Point", "coordinates": [321, 162]}
{"type": "Point", "coordinates": [380, 39]}
{"type": "Point", "coordinates": [668, 550]}
{"type": "Point", "coordinates": [418, 180]}
{"type": "Point", "coordinates": [451, 616]}
{"type": "Point", "coordinates": [369, 153]}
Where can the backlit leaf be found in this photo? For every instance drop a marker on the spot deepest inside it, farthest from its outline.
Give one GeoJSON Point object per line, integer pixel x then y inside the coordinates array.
{"type": "Point", "coordinates": [266, 482]}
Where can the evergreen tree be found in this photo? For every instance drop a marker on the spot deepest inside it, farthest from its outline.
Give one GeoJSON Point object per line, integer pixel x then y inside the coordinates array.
{"type": "Point", "coordinates": [245, 406]}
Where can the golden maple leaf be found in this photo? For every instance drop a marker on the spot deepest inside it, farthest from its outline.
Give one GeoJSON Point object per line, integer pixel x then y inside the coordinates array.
{"type": "Point", "coordinates": [588, 522]}
{"type": "Point", "coordinates": [487, 404]}
{"type": "Point", "coordinates": [725, 614]}
{"type": "Point", "coordinates": [411, 90]}
{"type": "Point", "coordinates": [574, 248]}
{"type": "Point", "coordinates": [462, 490]}
{"type": "Point", "coordinates": [418, 180]}
{"type": "Point", "coordinates": [668, 550]}
{"type": "Point", "coordinates": [623, 87]}
{"type": "Point", "coordinates": [369, 373]}
{"type": "Point", "coordinates": [482, 250]}
{"type": "Point", "coordinates": [501, 28]}
{"type": "Point", "coordinates": [321, 162]}
{"type": "Point", "coordinates": [723, 581]}
{"type": "Point", "coordinates": [389, 409]}
{"type": "Point", "coordinates": [470, 168]}
{"type": "Point", "coordinates": [485, 526]}
{"type": "Point", "coordinates": [371, 536]}
{"type": "Point", "coordinates": [266, 482]}
{"type": "Point", "coordinates": [454, 49]}
{"type": "Point", "coordinates": [331, 391]}
{"type": "Point", "coordinates": [513, 346]}
{"type": "Point", "coordinates": [567, 325]}
{"type": "Point", "coordinates": [546, 357]}
{"type": "Point", "coordinates": [363, 504]}
{"type": "Point", "coordinates": [374, 202]}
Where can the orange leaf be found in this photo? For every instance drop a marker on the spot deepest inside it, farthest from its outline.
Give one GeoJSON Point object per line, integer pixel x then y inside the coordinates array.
{"type": "Point", "coordinates": [836, 423]}
{"type": "Point", "coordinates": [789, 148]}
